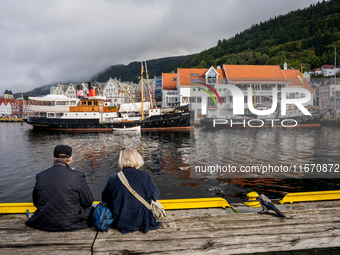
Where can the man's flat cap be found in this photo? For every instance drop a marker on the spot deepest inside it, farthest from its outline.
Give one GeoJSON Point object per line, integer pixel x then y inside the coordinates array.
{"type": "Point", "coordinates": [62, 151]}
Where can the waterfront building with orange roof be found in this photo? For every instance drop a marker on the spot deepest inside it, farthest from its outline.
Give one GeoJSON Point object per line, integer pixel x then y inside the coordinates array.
{"type": "Point", "coordinates": [170, 96]}
{"type": "Point", "coordinates": [296, 80]}
{"type": "Point", "coordinates": [191, 84]}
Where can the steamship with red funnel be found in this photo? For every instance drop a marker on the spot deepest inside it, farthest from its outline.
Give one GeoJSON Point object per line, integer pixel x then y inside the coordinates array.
{"type": "Point", "coordinates": [98, 114]}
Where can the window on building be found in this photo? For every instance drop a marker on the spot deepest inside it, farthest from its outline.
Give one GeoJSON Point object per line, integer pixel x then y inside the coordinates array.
{"type": "Point", "coordinates": [211, 77]}
{"type": "Point", "coordinates": [231, 99]}
{"type": "Point", "coordinates": [211, 101]}
{"type": "Point", "coordinates": [199, 99]}
{"type": "Point", "coordinates": [224, 100]}
{"type": "Point", "coordinates": [192, 75]}
{"type": "Point", "coordinates": [172, 99]}
{"type": "Point", "coordinates": [265, 87]}
{"type": "Point", "coordinates": [185, 100]}
{"type": "Point", "coordinates": [199, 113]}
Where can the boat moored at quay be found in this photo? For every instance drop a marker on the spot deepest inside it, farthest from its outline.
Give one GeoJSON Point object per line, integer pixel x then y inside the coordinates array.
{"type": "Point", "coordinates": [97, 114]}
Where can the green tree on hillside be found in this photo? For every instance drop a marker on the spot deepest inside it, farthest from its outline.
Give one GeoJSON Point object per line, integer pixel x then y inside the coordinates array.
{"type": "Point", "coordinates": [304, 36]}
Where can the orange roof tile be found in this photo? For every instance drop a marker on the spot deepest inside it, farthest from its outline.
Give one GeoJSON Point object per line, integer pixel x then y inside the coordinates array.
{"type": "Point", "coordinates": [254, 73]}
{"type": "Point", "coordinates": [169, 81]}
{"type": "Point", "coordinates": [221, 73]}
{"type": "Point", "coordinates": [306, 85]}
{"type": "Point", "coordinates": [294, 76]}
{"type": "Point", "coordinates": [291, 73]}
{"type": "Point", "coordinates": [186, 74]}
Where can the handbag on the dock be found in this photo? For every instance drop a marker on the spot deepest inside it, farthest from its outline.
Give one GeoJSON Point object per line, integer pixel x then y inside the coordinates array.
{"type": "Point", "coordinates": [156, 207]}
{"type": "Point", "coordinates": [102, 217]}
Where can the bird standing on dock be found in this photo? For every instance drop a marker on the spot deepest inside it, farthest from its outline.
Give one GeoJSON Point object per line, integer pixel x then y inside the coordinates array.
{"type": "Point", "coordinates": [268, 205]}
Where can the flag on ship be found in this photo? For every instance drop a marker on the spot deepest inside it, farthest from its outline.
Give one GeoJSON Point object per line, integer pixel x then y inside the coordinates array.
{"type": "Point", "coordinates": [146, 69]}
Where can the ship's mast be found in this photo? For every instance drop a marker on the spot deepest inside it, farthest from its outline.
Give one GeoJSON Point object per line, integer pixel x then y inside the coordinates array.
{"type": "Point", "coordinates": [301, 75]}
{"type": "Point", "coordinates": [147, 78]}
{"type": "Point", "coordinates": [142, 92]}
{"type": "Point", "coordinates": [302, 94]}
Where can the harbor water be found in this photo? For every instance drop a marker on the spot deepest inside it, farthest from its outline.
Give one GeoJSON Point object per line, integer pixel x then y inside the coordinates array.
{"type": "Point", "coordinates": [167, 156]}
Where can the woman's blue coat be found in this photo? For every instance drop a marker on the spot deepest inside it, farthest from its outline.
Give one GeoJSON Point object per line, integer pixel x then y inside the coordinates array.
{"type": "Point", "coordinates": [130, 214]}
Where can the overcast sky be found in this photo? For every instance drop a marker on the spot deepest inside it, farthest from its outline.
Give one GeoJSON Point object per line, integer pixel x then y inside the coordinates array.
{"type": "Point", "coordinates": [71, 40]}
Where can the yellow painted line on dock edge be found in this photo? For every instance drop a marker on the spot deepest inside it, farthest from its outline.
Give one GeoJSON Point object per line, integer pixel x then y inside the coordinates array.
{"type": "Point", "coordinates": [168, 204]}
{"type": "Point", "coordinates": [311, 196]}
{"type": "Point", "coordinates": [191, 203]}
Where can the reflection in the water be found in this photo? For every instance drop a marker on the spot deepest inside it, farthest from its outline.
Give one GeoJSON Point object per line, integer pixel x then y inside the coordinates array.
{"type": "Point", "coordinates": [259, 148]}
{"type": "Point", "coordinates": [168, 157]}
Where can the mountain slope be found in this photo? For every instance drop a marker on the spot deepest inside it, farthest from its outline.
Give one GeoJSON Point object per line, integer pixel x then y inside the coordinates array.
{"type": "Point", "coordinates": [132, 71]}
{"type": "Point", "coordinates": [306, 37]}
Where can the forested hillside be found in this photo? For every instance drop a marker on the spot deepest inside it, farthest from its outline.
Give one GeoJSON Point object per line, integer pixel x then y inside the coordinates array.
{"type": "Point", "coordinates": [304, 37]}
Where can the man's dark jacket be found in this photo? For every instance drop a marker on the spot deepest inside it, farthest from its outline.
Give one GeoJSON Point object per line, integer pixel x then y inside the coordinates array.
{"type": "Point", "coordinates": [62, 198]}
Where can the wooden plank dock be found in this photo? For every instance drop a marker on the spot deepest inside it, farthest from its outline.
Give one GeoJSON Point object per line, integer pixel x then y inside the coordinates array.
{"type": "Point", "coordinates": [195, 231]}
{"type": "Point", "coordinates": [17, 238]}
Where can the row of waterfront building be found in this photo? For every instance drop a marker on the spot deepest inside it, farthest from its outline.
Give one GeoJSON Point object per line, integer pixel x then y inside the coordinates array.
{"type": "Point", "coordinates": [205, 89]}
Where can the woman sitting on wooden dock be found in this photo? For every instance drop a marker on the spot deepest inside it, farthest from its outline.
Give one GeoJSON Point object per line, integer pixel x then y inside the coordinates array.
{"type": "Point", "coordinates": [130, 214]}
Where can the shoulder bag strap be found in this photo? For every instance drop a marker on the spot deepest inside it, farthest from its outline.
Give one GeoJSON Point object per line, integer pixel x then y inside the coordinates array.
{"type": "Point", "coordinates": [132, 191]}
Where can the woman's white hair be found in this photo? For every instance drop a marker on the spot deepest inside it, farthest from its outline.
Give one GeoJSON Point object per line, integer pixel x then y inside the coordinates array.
{"type": "Point", "coordinates": [129, 157]}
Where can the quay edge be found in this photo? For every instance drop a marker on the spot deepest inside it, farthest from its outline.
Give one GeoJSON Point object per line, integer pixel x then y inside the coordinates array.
{"type": "Point", "coordinates": [312, 225]}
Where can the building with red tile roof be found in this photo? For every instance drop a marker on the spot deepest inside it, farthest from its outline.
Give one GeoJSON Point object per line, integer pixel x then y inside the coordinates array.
{"type": "Point", "coordinates": [169, 81]}
{"type": "Point", "coordinates": [217, 100]}
{"type": "Point", "coordinates": [190, 76]}
{"type": "Point", "coordinates": [254, 74]}
{"type": "Point", "coordinates": [329, 70]}
{"type": "Point", "coordinates": [295, 78]}
{"type": "Point", "coordinates": [11, 107]}
{"type": "Point", "coordinates": [170, 95]}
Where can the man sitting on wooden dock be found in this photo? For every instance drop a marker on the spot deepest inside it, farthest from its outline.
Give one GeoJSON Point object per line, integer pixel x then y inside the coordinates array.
{"type": "Point", "coordinates": [62, 196]}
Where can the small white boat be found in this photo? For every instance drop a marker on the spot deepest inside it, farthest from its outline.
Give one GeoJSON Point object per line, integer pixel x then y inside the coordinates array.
{"type": "Point", "coordinates": [128, 129]}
